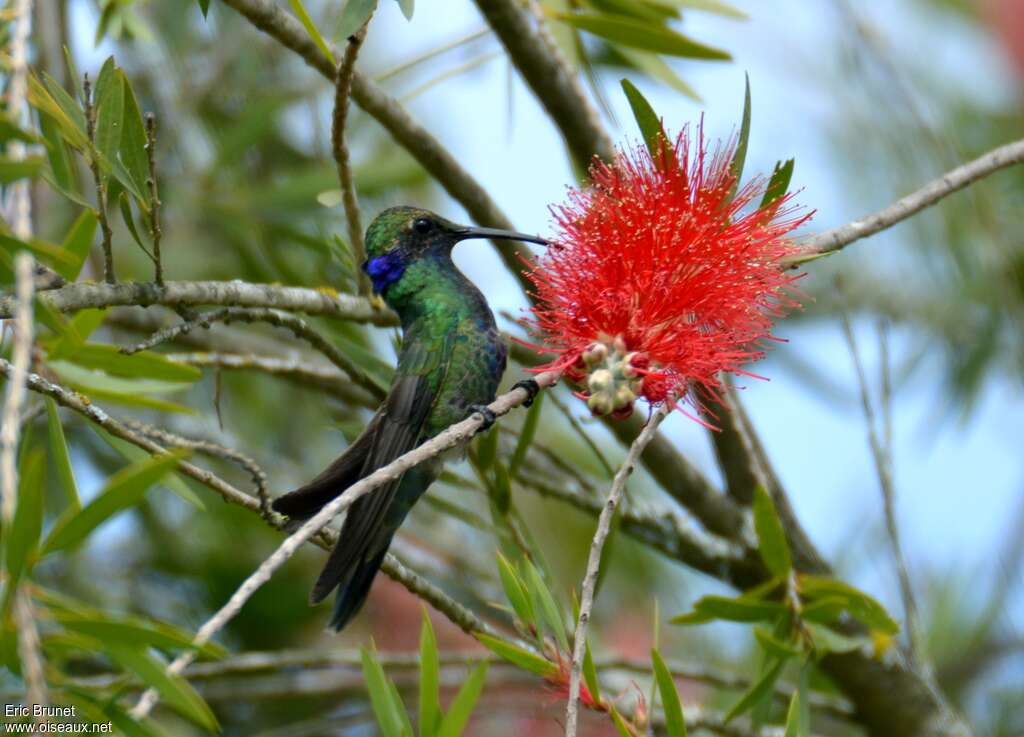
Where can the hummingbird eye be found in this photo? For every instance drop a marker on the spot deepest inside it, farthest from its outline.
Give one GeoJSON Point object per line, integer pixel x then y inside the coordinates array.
{"type": "Point", "coordinates": [422, 225]}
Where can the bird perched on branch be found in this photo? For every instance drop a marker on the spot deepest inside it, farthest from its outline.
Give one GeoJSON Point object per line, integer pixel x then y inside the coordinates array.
{"type": "Point", "coordinates": [449, 366]}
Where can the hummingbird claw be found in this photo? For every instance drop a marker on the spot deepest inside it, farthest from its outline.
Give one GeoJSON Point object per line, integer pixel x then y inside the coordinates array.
{"type": "Point", "coordinates": [531, 387]}
{"type": "Point", "coordinates": [486, 414]}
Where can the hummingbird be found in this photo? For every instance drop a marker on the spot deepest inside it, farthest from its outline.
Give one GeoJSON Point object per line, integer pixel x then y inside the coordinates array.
{"type": "Point", "coordinates": [450, 363]}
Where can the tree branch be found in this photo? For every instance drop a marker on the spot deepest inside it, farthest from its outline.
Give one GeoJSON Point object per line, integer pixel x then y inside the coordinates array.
{"type": "Point", "coordinates": [342, 90]}
{"type": "Point", "coordinates": [952, 181]}
{"type": "Point", "coordinates": [83, 295]}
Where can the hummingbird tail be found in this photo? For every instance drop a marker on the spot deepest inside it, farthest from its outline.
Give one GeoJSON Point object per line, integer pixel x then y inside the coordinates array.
{"type": "Point", "coordinates": [352, 593]}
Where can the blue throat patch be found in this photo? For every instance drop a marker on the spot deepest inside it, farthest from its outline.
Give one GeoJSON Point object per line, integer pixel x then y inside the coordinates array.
{"type": "Point", "coordinates": [385, 270]}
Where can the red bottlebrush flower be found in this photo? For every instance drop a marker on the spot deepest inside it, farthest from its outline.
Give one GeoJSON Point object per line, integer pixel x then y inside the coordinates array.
{"type": "Point", "coordinates": [660, 278]}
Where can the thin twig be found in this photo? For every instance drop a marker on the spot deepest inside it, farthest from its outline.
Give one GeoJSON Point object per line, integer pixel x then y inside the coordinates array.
{"type": "Point", "coordinates": [19, 205]}
{"type": "Point", "coordinates": [154, 199]}
{"type": "Point", "coordinates": [454, 435]}
{"type": "Point", "coordinates": [29, 650]}
{"type": "Point", "coordinates": [604, 524]}
{"type": "Point", "coordinates": [81, 296]}
{"type": "Point", "coordinates": [885, 482]}
{"type": "Point", "coordinates": [299, 328]}
{"type": "Point", "coordinates": [339, 145]}
{"type": "Point", "coordinates": [172, 440]}
{"type": "Point", "coordinates": [101, 186]}
{"type": "Point", "coordinates": [950, 182]}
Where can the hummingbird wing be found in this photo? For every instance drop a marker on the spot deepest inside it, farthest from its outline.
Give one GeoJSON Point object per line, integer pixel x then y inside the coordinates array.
{"type": "Point", "coordinates": [395, 430]}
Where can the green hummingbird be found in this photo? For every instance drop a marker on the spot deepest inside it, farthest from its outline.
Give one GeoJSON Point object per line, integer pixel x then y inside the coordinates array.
{"type": "Point", "coordinates": [450, 363]}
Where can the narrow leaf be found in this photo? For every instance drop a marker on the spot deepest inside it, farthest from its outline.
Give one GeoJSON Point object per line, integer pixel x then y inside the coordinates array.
{"type": "Point", "coordinates": [857, 603]}
{"type": "Point", "coordinates": [57, 154]}
{"type": "Point", "coordinates": [109, 116]}
{"type": "Point", "coordinates": [773, 645]}
{"type": "Point", "coordinates": [757, 691]}
{"type": "Point", "coordinates": [590, 674]}
{"type": "Point", "coordinates": [76, 245]}
{"type": "Point", "coordinates": [545, 602]}
{"type": "Point", "coordinates": [778, 184]}
{"type": "Point", "coordinates": [60, 458]}
{"type": "Point", "coordinates": [132, 632]}
{"type": "Point", "coordinates": [526, 435]}
{"type": "Point", "coordinates": [646, 119]}
{"type": "Point", "coordinates": [133, 145]}
{"type": "Point", "coordinates": [793, 716]}
{"type": "Point", "coordinates": [141, 365]}
{"type": "Point", "coordinates": [23, 535]}
{"type": "Point", "coordinates": [380, 696]}
{"type": "Point", "coordinates": [675, 725]}
{"type": "Point", "coordinates": [204, 7]}
{"type": "Point", "coordinates": [518, 656]}
{"type": "Point", "coordinates": [710, 608]}
{"type": "Point", "coordinates": [129, 220]}
{"type": "Point", "coordinates": [354, 16]}
{"type": "Point", "coordinates": [639, 34]}
{"type": "Point", "coordinates": [462, 705]}
{"type": "Point", "coordinates": [124, 489]}
{"type": "Point", "coordinates": [620, 724]}
{"type": "Point", "coordinates": [430, 700]}
{"type": "Point", "coordinates": [11, 170]}
{"type": "Point", "coordinates": [516, 591]}
{"type": "Point", "coordinates": [175, 690]}
{"type": "Point", "coordinates": [300, 10]}
{"type": "Point", "coordinates": [771, 537]}
{"type": "Point", "coordinates": [407, 6]}
{"type": "Point", "coordinates": [740, 155]}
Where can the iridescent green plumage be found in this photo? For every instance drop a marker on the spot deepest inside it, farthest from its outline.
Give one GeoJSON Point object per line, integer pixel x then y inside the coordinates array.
{"type": "Point", "coordinates": [451, 361]}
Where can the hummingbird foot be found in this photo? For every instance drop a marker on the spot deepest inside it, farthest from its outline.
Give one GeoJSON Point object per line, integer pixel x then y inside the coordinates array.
{"type": "Point", "coordinates": [486, 414]}
{"type": "Point", "coordinates": [531, 387]}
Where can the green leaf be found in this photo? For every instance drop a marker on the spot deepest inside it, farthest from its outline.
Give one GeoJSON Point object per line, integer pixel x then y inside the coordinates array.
{"type": "Point", "coordinates": [141, 365]}
{"type": "Point", "coordinates": [174, 690]}
{"type": "Point", "coordinates": [11, 170]}
{"type": "Point", "coordinates": [675, 725]}
{"type": "Point", "coordinates": [590, 674]}
{"type": "Point", "coordinates": [51, 97]}
{"type": "Point", "coordinates": [11, 131]}
{"type": "Point", "coordinates": [773, 645]}
{"type": "Point", "coordinates": [761, 687]}
{"type": "Point", "coordinates": [109, 113]}
{"type": "Point", "coordinates": [129, 220]}
{"type": "Point", "coordinates": [61, 172]}
{"type": "Point", "coordinates": [133, 144]}
{"type": "Point", "coordinates": [122, 490]}
{"type": "Point", "coordinates": [620, 724]}
{"type": "Point", "coordinates": [545, 603]}
{"type": "Point", "coordinates": [430, 700]}
{"type": "Point", "coordinates": [407, 6]}
{"type": "Point", "coordinates": [300, 10]}
{"type": "Point", "coordinates": [778, 184]}
{"type": "Point", "coordinates": [859, 605]}
{"type": "Point", "coordinates": [827, 640]}
{"type": "Point", "coordinates": [709, 608]}
{"type": "Point", "coordinates": [516, 591]}
{"type": "Point", "coordinates": [23, 535]}
{"type": "Point", "coordinates": [354, 16]}
{"type": "Point", "coordinates": [713, 6]}
{"type": "Point", "coordinates": [646, 119]}
{"type": "Point", "coordinates": [771, 537]}
{"type": "Point", "coordinates": [641, 35]}
{"type": "Point", "coordinates": [462, 705]}
{"type": "Point", "coordinates": [740, 155]}
{"type": "Point", "coordinates": [388, 718]}
{"type": "Point", "coordinates": [502, 492]}
{"type": "Point", "coordinates": [793, 716]}
{"type": "Point", "coordinates": [77, 243]}
{"type": "Point", "coordinates": [60, 458]}
{"type": "Point", "coordinates": [526, 435]}
{"type": "Point", "coordinates": [204, 7]}
{"type": "Point", "coordinates": [518, 656]}
{"type": "Point", "coordinates": [134, 454]}
{"type": "Point", "coordinates": [133, 632]}
{"type": "Point", "coordinates": [487, 448]}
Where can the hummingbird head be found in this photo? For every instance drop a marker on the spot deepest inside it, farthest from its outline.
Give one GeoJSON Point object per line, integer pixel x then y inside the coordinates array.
{"type": "Point", "coordinates": [401, 236]}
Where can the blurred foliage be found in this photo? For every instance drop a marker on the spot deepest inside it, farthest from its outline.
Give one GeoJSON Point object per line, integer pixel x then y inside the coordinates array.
{"type": "Point", "coordinates": [249, 191]}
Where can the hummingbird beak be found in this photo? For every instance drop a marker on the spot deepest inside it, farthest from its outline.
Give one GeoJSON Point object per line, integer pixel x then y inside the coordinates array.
{"type": "Point", "coordinates": [496, 234]}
